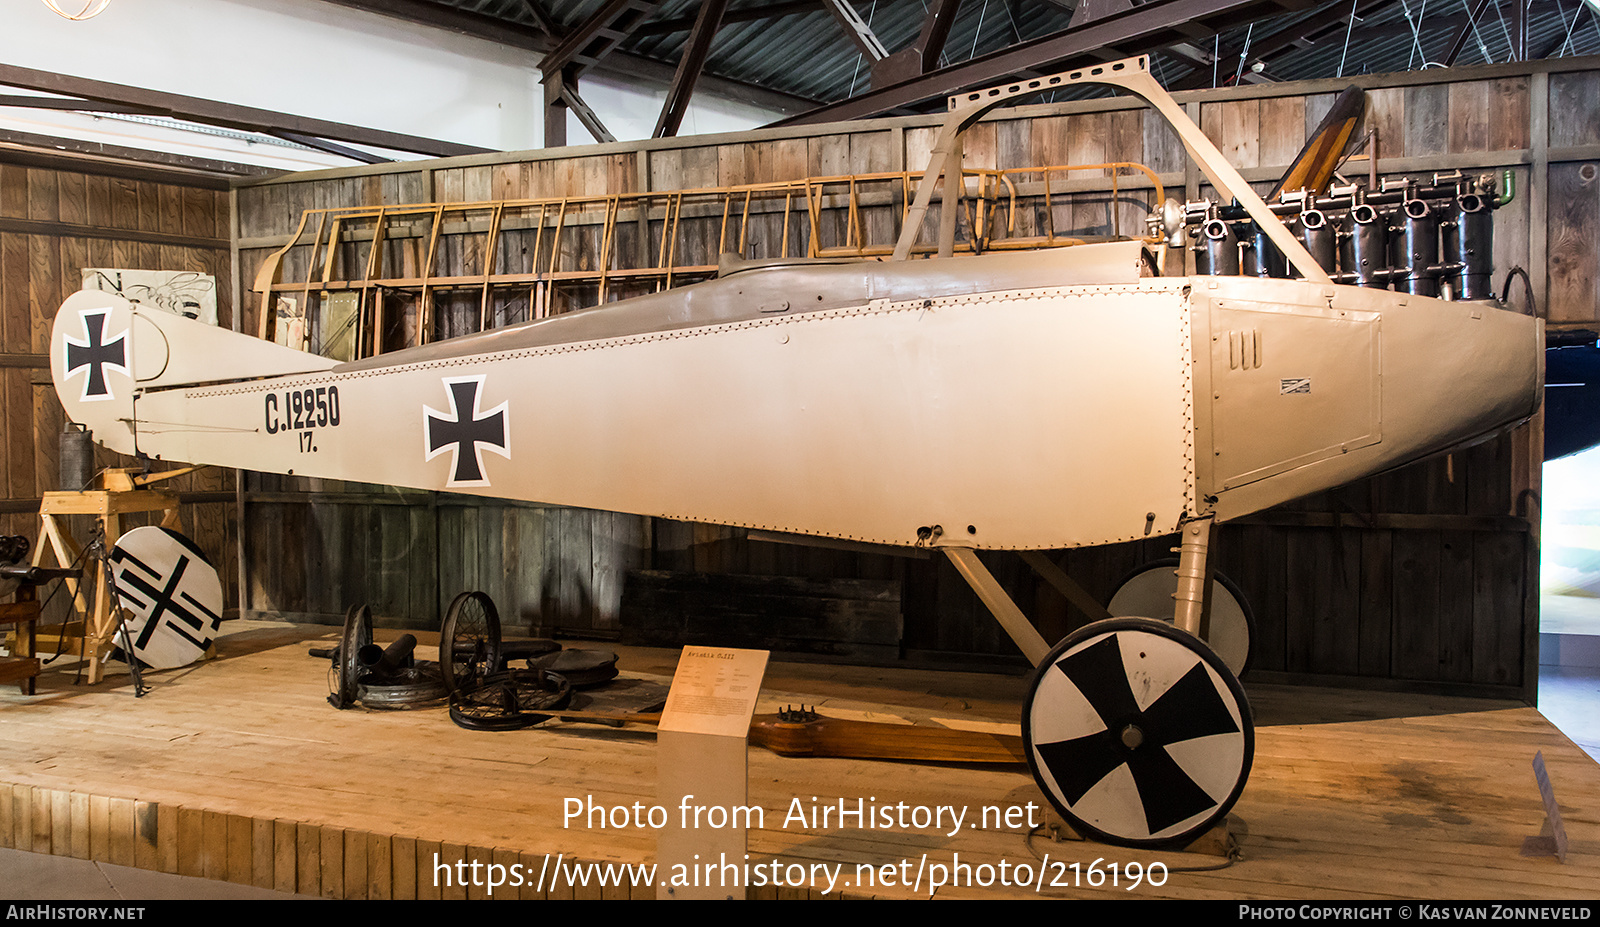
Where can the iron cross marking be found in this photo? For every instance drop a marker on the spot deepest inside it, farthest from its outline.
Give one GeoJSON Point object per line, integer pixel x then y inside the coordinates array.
{"type": "Point", "coordinates": [466, 432]}
{"type": "Point", "coordinates": [165, 599]}
{"type": "Point", "coordinates": [1190, 708]}
{"type": "Point", "coordinates": [96, 353]}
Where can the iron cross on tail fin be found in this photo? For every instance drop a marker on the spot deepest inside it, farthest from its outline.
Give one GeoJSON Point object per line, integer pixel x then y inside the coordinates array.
{"type": "Point", "coordinates": [110, 357]}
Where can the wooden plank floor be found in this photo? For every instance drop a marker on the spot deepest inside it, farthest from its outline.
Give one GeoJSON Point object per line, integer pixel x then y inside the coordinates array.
{"type": "Point", "coordinates": [238, 769]}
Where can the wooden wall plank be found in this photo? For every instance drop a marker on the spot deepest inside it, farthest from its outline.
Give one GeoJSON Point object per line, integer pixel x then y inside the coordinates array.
{"type": "Point", "coordinates": [1235, 128]}
{"type": "Point", "coordinates": [239, 854]}
{"type": "Point", "coordinates": [1512, 236]}
{"type": "Point", "coordinates": [783, 159]}
{"type": "Point", "coordinates": [330, 859]}
{"type": "Point", "coordinates": [979, 148]}
{"type": "Point", "coordinates": [44, 198]}
{"type": "Point", "coordinates": [8, 812]}
{"type": "Point", "coordinates": [214, 845]}
{"type": "Point", "coordinates": [308, 859]}
{"type": "Point", "coordinates": [828, 156]}
{"type": "Point", "coordinates": [124, 204]}
{"type": "Point", "coordinates": [730, 165]}
{"type": "Point", "coordinates": [684, 168]}
{"type": "Point", "coordinates": [1498, 586]}
{"type": "Point", "coordinates": [263, 852]}
{"type": "Point", "coordinates": [14, 310]}
{"type": "Point", "coordinates": [870, 152]}
{"type": "Point", "coordinates": [449, 888]}
{"type": "Point", "coordinates": [1373, 644]}
{"type": "Point", "coordinates": [1456, 611]}
{"type": "Point", "coordinates": [191, 842]}
{"type": "Point", "coordinates": [1427, 111]}
{"type": "Point", "coordinates": [1163, 151]}
{"type": "Point", "coordinates": [13, 191]}
{"type": "Point", "coordinates": [1574, 109]}
{"type": "Point", "coordinates": [72, 190]}
{"type": "Point", "coordinates": [21, 798]}
{"type": "Point", "coordinates": [1013, 143]}
{"type": "Point", "coordinates": [380, 868]}
{"type": "Point", "coordinates": [406, 862]}
{"type": "Point", "coordinates": [1574, 241]}
{"type": "Point", "coordinates": [39, 819]}
{"type": "Point", "coordinates": [1283, 122]}
{"type": "Point", "coordinates": [1416, 604]}
{"type": "Point", "coordinates": [354, 865]}
{"type": "Point", "coordinates": [1469, 116]}
{"type": "Point", "coordinates": [1508, 102]}
{"type": "Point", "coordinates": [147, 835]}
{"type": "Point", "coordinates": [150, 214]}
{"type": "Point", "coordinates": [75, 826]}
{"type": "Point", "coordinates": [285, 856]}
{"type": "Point", "coordinates": [122, 832]}
{"type": "Point", "coordinates": [44, 289]}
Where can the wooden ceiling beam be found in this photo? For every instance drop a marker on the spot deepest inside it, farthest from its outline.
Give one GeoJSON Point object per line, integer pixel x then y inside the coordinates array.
{"type": "Point", "coordinates": [856, 30]}
{"type": "Point", "coordinates": [71, 154]}
{"type": "Point", "coordinates": [620, 65]}
{"type": "Point", "coordinates": [542, 20]}
{"type": "Point", "coordinates": [598, 36]}
{"type": "Point", "coordinates": [228, 115]}
{"type": "Point", "coordinates": [1306, 32]}
{"type": "Point", "coordinates": [695, 52]}
{"type": "Point", "coordinates": [1145, 28]}
{"type": "Point", "coordinates": [923, 54]}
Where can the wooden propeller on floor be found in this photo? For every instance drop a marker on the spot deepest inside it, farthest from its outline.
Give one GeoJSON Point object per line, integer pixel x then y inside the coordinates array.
{"type": "Point", "coordinates": [802, 732]}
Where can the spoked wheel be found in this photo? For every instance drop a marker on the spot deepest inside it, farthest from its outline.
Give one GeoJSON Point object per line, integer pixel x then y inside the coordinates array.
{"type": "Point", "coordinates": [1137, 733]}
{"type": "Point", "coordinates": [469, 641]}
{"type": "Point", "coordinates": [1147, 593]}
{"type": "Point", "coordinates": [510, 700]}
{"type": "Point", "coordinates": [357, 634]}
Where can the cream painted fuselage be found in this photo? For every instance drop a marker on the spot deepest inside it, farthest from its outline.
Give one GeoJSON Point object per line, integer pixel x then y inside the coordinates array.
{"type": "Point", "coordinates": [1031, 400]}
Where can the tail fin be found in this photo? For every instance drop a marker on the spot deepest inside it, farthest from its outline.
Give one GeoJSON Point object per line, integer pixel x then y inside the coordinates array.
{"type": "Point", "coordinates": [104, 351]}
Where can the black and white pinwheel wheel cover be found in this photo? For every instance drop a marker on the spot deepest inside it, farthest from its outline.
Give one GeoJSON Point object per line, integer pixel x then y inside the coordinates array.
{"type": "Point", "coordinates": [1138, 733]}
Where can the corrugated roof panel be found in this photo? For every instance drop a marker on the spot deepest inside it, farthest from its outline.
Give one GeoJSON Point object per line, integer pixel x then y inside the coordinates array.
{"type": "Point", "coordinates": [808, 55]}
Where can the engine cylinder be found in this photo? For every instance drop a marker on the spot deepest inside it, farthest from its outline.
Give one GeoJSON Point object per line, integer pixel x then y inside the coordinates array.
{"type": "Point", "coordinates": [1420, 240]}
{"type": "Point", "coordinates": [1470, 245]}
{"type": "Point", "coordinates": [1221, 252]}
{"type": "Point", "coordinates": [1369, 247]}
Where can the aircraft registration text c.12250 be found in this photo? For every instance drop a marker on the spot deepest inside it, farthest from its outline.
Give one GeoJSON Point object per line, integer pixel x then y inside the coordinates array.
{"type": "Point", "coordinates": [1004, 401]}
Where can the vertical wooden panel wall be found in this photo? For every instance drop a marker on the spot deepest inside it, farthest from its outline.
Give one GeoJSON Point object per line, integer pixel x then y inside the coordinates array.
{"type": "Point", "coordinates": [1422, 577]}
{"type": "Point", "coordinates": [55, 221]}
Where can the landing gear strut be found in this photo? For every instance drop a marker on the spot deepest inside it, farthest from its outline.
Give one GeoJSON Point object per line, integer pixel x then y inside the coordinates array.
{"type": "Point", "coordinates": [1135, 729]}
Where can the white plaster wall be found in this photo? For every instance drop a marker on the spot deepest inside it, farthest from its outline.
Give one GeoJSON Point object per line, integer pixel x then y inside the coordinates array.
{"type": "Point", "coordinates": [316, 59]}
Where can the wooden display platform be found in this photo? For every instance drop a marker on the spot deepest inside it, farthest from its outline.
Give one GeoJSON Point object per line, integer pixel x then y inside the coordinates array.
{"type": "Point", "coordinates": [238, 769]}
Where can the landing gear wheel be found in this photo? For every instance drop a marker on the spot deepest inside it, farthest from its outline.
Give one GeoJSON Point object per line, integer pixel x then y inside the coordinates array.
{"type": "Point", "coordinates": [1147, 592]}
{"type": "Point", "coordinates": [1137, 733]}
{"type": "Point", "coordinates": [469, 641]}
{"type": "Point", "coordinates": [356, 635]}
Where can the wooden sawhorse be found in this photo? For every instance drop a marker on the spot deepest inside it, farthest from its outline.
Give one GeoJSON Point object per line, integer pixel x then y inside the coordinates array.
{"type": "Point", "coordinates": [122, 493]}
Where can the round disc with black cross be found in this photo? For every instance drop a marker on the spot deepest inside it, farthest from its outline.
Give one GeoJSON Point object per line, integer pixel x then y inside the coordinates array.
{"type": "Point", "coordinates": [1137, 733]}
{"type": "Point", "coordinates": [1149, 590]}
